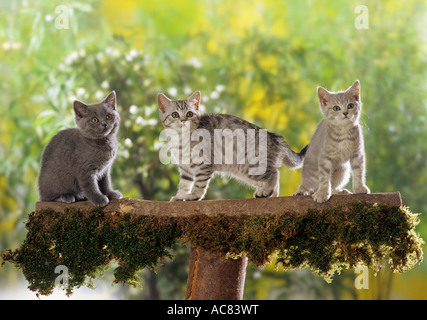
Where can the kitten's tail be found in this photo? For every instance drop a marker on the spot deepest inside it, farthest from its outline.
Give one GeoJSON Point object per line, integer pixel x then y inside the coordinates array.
{"type": "Point", "coordinates": [292, 159]}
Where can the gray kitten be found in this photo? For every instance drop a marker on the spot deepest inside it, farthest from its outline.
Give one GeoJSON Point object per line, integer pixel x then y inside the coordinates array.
{"type": "Point", "coordinates": [336, 146]}
{"type": "Point", "coordinates": [229, 145]}
{"type": "Point", "coordinates": [76, 162]}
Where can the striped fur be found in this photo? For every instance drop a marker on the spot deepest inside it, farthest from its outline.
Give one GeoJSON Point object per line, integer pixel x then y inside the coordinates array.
{"type": "Point", "coordinates": [336, 147]}
{"type": "Point", "coordinates": [246, 162]}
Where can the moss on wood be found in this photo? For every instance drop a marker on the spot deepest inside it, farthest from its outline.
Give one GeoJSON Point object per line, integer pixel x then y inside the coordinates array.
{"type": "Point", "coordinates": [325, 241]}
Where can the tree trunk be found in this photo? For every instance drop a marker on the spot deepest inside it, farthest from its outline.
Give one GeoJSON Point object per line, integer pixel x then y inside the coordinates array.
{"type": "Point", "coordinates": [212, 277]}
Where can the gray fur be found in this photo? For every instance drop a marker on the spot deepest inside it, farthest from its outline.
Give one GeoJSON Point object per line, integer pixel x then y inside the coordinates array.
{"type": "Point", "coordinates": [76, 162]}
{"type": "Point", "coordinates": [195, 177]}
{"type": "Point", "coordinates": [336, 147]}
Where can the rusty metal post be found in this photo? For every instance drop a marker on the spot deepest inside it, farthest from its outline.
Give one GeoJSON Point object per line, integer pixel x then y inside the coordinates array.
{"type": "Point", "coordinates": [212, 277]}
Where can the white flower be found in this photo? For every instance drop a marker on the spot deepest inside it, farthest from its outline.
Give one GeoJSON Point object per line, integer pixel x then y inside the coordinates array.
{"type": "Point", "coordinates": [133, 53]}
{"type": "Point", "coordinates": [125, 154]}
{"type": "Point", "coordinates": [105, 84]}
{"type": "Point", "coordinates": [194, 62]}
{"type": "Point", "coordinates": [219, 88]}
{"type": "Point", "coordinates": [141, 121]}
{"type": "Point", "coordinates": [148, 111]}
{"type": "Point", "coordinates": [16, 45]}
{"type": "Point", "coordinates": [202, 108]}
{"type": "Point", "coordinates": [152, 122]}
{"type": "Point", "coordinates": [99, 94]}
{"type": "Point", "coordinates": [187, 90]}
{"type": "Point", "coordinates": [6, 45]}
{"type": "Point", "coordinates": [80, 92]}
{"type": "Point", "coordinates": [214, 95]}
{"type": "Point", "coordinates": [72, 98]}
{"type": "Point", "coordinates": [157, 145]}
{"type": "Point", "coordinates": [133, 109]}
{"type": "Point", "coordinates": [112, 52]}
{"type": "Point", "coordinates": [48, 18]}
{"type": "Point", "coordinates": [173, 92]}
{"type": "Point", "coordinates": [128, 142]}
{"type": "Point", "coordinates": [71, 57]}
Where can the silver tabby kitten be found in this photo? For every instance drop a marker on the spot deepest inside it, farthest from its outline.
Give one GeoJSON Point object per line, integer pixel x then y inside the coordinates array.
{"type": "Point", "coordinates": [76, 162]}
{"type": "Point", "coordinates": [229, 145]}
{"type": "Point", "coordinates": [336, 146]}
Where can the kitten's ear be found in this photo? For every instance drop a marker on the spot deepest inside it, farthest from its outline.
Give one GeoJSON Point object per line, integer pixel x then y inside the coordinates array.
{"type": "Point", "coordinates": [195, 99]}
{"type": "Point", "coordinates": [323, 95]}
{"type": "Point", "coordinates": [111, 100]}
{"type": "Point", "coordinates": [354, 90]}
{"type": "Point", "coordinates": [80, 109]}
{"type": "Point", "coordinates": [162, 102]}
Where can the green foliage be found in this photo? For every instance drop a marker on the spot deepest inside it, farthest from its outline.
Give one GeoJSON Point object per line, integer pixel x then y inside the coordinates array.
{"type": "Point", "coordinates": [86, 243]}
{"type": "Point", "coordinates": [325, 242]}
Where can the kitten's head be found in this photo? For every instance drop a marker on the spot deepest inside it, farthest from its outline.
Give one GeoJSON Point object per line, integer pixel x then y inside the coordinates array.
{"type": "Point", "coordinates": [341, 107]}
{"type": "Point", "coordinates": [97, 120]}
{"type": "Point", "coordinates": [176, 114]}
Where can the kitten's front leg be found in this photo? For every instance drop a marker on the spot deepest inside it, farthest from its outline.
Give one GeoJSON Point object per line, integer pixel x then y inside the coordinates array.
{"type": "Point", "coordinates": [357, 163]}
{"type": "Point", "coordinates": [105, 187]}
{"type": "Point", "coordinates": [90, 188]}
{"type": "Point", "coordinates": [184, 187]}
{"type": "Point", "coordinates": [323, 192]}
{"type": "Point", "coordinates": [200, 186]}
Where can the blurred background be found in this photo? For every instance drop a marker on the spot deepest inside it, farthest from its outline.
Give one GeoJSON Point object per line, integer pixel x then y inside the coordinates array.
{"type": "Point", "coordinates": [258, 60]}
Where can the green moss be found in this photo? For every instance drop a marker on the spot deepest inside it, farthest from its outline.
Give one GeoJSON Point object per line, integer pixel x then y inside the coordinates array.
{"type": "Point", "coordinates": [325, 242]}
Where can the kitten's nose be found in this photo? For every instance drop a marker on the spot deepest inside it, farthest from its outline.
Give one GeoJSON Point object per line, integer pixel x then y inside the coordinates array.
{"type": "Point", "coordinates": [104, 125]}
{"type": "Point", "coordinates": [345, 113]}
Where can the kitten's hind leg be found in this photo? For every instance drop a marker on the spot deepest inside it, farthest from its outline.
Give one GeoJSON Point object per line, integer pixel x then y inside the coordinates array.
{"type": "Point", "coordinates": [267, 185]}
{"type": "Point", "coordinates": [277, 187]}
{"type": "Point", "coordinates": [80, 197]}
{"type": "Point", "coordinates": [67, 198]}
{"type": "Point", "coordinates": [339, 179]}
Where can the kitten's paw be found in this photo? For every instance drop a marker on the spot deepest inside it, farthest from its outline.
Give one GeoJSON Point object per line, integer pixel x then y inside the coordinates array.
{"type": "Point", "coordinates": [361, 189]}
{"type": "Point", "coordinates": [192, 197]}
{"type": "Point", "coordinates": [263, 193]}
{"type": "Point", "coordinates": [67, 198]}
{"type": "Point", "coordinates": [177, 198]}
{"type": "Point", "coordinates": [342, 192]}
{"type": "Point", "coordinates": [100, 200]}
{"type": "Point", "coordinates": [302, 192]}
{"type": "Point", "coordinates": [115, 194]}
{"type": "Point", "coordinates": [187, 197]}
{"type": "Point", "coordinates": [321, 196]}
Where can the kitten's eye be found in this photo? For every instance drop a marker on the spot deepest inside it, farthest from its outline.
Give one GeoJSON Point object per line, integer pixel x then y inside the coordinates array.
{"type": "Point", "coordinates": [95, 120]}
{"type": "Point", "coordinates": [189, 114]}
{"type": "Point", "coordinates": [109, 117]}
{"type": "Point", "coordinates": [175, 115]}
{"type": "Point", "coordinates": [336, 108]}
{"type": "Point", "coordinates": [350, 106]}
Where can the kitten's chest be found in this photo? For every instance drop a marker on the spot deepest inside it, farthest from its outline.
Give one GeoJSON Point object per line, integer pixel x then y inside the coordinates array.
{"type": "Point", "coordinates": [342, 143]}
{"type": "Point", "coordinates": [102, 154]}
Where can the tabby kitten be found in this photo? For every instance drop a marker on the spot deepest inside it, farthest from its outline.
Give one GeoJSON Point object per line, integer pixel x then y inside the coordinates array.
{"type": "Point", "coordinates": [250, 154]}
{"type": "Point", "coordinates": [336, 146]}
{"type": "Point", "coordinates": [76, 162]}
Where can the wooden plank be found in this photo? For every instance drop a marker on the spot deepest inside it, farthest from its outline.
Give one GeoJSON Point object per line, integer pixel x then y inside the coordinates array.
{"type": "Point", "coordinates": [231, 207]}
